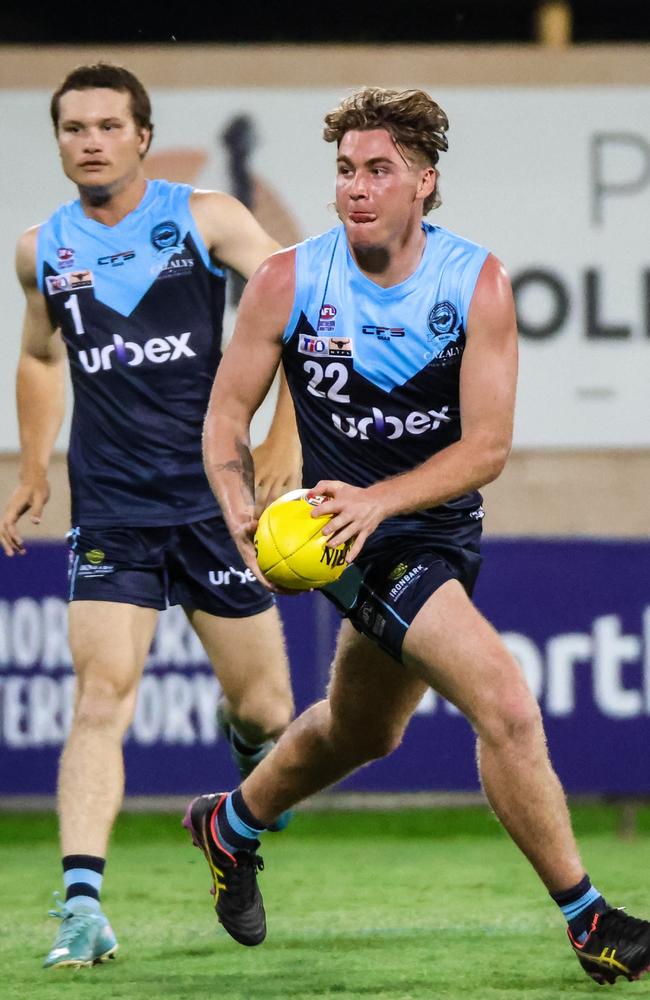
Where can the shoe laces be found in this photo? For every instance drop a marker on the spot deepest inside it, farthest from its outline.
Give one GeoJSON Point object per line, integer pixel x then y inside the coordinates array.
{"type": "Point", "coordinates": [619, 923]}
{"type": "Point", "coordinates": [242, 879]}
{"type": "Point", "coordinates": [61, 911]}
{"type": "Point", "coordinates": [76, 921]}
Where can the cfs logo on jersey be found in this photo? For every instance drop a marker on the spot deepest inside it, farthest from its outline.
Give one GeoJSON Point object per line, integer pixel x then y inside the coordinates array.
{"type": "Point", "coordinates": [383, 332]}
{"type": "Point", "coordinates": [446, 336]}
{"type": "Point", "coordinates": [325, 347]}
{"type": "Point", "coordinates": [72, 282]}
{"type": "Point", "coordinates": [117, 259]}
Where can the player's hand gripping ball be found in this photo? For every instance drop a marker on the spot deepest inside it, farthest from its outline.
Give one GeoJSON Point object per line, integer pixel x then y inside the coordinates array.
{"type": "Point", "coordinates": [291, 548]}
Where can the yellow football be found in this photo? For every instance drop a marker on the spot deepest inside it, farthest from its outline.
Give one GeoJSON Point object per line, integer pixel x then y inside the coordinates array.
{"type": "Point", "coordinates": [290, 545]}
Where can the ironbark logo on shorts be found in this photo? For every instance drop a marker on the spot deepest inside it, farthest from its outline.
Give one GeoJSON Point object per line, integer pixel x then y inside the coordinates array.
{"type": "Point", "coordinates": [95, 556]}
{"type": "Point", "coordinates": [406, 580]}
{"type": "Point", "coordinates": [399, 570]}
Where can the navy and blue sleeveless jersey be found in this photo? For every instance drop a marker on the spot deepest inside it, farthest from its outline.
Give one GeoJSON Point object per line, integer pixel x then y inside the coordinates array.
{"type": "Point", "coordinates": [374, 372]}
{"type": "Point", "coordinates": [140, 308]}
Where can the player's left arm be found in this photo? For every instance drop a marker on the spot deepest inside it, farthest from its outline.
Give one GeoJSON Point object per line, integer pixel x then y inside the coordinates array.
{"type": "Point", "coordinates": [488, 380]}
{"type": "Point", "coordinates": [243, 378]}
{"type": "Point", "coordinates": [235, 238]}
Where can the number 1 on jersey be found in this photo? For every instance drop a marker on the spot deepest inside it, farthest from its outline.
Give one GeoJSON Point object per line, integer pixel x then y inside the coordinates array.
{"type": "Point", "coordinates": [73, 305]}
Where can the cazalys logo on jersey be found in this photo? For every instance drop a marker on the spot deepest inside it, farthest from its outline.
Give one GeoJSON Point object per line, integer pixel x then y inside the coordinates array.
{"type": "Point", "coordinates": [447, 337]}
{"type": "Point", "coordinates": [166, 236]}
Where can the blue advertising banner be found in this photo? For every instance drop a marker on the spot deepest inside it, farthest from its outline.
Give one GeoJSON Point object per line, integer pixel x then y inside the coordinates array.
{"type": "Point", "coordinates": [575, 613]}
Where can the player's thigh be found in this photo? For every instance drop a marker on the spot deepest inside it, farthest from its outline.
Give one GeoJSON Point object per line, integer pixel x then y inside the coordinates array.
{"type": "Point", "coordinates": [452, 646]}
{"type": "Point", "coordinates": [372, 696]}
{"type": "Point", "coordinates": [247, 653]}
{"type": "Point", "coordinates": [109, 642]}
{"type": "Point", "coordinates": [205, 572]}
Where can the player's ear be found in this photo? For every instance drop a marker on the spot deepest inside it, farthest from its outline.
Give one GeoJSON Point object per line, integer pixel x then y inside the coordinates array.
{"type": "Point", "coordinates": [146, 135]}
{"type": "Point", "coordinates": [427, 184]}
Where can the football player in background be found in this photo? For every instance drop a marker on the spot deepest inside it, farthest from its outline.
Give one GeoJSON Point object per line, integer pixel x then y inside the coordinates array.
{"type": "Point", "coordinates": [129, 281]}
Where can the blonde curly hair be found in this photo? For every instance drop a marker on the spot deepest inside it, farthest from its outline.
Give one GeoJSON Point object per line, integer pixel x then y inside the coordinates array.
{"type": "Point", "coordinates": [414, 120]}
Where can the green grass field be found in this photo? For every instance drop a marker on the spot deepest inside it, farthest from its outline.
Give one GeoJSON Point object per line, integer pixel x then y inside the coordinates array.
{"type": "Point", "coordinates": [394, 906]}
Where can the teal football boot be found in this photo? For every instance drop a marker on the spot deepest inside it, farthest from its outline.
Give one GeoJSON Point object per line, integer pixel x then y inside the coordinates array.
{"type": "Point", "coordinates": [85, 938]}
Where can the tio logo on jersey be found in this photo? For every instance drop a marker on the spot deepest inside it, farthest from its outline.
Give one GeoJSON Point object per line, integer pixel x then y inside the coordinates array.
{"type": "Point", "coordinates": [158, 350]}
{"type": "Point", "coordinates": [379, 425]}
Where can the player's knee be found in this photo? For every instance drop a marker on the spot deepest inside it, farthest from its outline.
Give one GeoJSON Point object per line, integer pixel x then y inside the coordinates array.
{"type": "Point", "coordinates": [382, 744]}
{"type": "Point", "coordinates": [104, 702]}
{"type": "Point", "coordinates": [365, 745]}
{"type": "Point", "coordinates": [262, 715]}
{"type": "Point", "coordinates": [515, 720]}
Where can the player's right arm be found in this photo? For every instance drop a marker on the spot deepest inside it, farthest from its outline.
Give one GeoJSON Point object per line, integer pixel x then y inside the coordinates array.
{"type": "Point", "coordinates": [40, 399]}
{"type": "Point", "coordinates": [243, 378]}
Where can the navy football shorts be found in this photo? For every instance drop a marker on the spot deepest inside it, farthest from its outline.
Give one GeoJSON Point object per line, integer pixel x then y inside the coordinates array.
{"type": "Point", "coordinates": [195, 565]}
{"type": "Point", "coordinates": [382, 592]}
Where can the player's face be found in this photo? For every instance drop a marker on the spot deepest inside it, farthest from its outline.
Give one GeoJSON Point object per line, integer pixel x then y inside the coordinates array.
{"type": "Point", "coordinates": [379, 194]}
{"type": "Point", "coordinates": [100, 144]}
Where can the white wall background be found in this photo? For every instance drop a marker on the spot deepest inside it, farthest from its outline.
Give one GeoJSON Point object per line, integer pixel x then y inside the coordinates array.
{"type": "Point", "coordinates": [520, 177]}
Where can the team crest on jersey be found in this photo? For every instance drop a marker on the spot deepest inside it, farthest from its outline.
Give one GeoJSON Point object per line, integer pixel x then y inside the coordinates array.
{"type": "Point", "coordinates": [446, 336]}
{"type": "Point", "coordinates": [325, 347]}
{"type": "Point", "coordinates": [71, 282]}
{"type": "Point", "coordinates": [166, 236]}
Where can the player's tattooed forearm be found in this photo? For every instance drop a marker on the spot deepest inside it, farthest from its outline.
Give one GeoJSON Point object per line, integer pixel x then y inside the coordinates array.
{"type": "Point", "coordinates": [243, 467]}
{"type": "Point", "coordinates": [248, 470]}
{"type": "Point", "coordinates": [233, 466]}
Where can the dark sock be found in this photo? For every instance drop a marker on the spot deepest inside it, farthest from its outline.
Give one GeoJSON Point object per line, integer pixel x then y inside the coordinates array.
{"type": "Point", "coordinates": [580, 905]}
{"type": "Point", "coordinates": [83, 875]}
{"type": "Point", "coordinates": [241, 746]}
{"type": "Point", "coordinates": [235, 824]}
